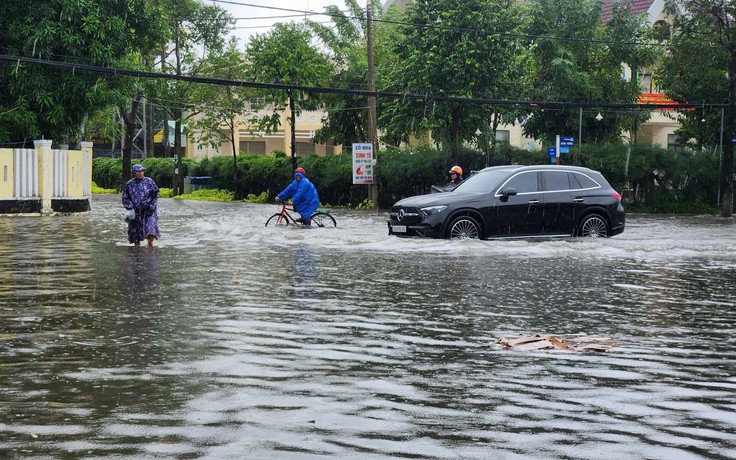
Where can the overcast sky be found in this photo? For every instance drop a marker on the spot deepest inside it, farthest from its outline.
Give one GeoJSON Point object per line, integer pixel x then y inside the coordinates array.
{"type": "Point", "coordinates": [258, 16]}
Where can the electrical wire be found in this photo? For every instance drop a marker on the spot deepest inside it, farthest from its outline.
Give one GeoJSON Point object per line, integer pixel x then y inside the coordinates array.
{"type": "Point", "coordinates": [450, 28]}
{"type": "Point", "coordinates": [322, 90]}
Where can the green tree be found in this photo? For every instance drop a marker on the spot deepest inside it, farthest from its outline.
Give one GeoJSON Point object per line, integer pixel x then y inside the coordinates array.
{"type": "Point", "coordinates": [578, 59]}
{"type": "Point", "coordinates": [452, 49]}
{"type": "Point", "coordinates": [40, 100]}
{"type": "Point", "coordinates": [286, 56]}
{"type": "Point", "coordinates": [345, 39]}
{"type": "Point", "coordinates": [700, 67]}
{"type": "Point", "coordinates": [221, 109]}
{"type": "Point", "coordinates": [196, 30]}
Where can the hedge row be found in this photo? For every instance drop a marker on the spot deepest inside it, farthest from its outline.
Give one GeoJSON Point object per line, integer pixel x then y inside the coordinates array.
{"type": "Point", "coordinates": [656, 179]}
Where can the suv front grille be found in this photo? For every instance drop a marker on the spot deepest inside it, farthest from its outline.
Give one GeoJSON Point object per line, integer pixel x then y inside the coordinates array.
{"type": "Point", "coordinates": [405, 215]}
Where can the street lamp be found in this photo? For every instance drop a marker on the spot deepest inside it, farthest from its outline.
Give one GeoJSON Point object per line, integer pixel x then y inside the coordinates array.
{"type": "Point", "coordinates": [599, 117]}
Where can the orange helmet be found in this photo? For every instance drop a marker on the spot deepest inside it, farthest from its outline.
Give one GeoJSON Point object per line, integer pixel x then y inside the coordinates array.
{"type": "Point", "coordinates": [300, 170]}
{"type": "Point", "coordinates": [456, 170]}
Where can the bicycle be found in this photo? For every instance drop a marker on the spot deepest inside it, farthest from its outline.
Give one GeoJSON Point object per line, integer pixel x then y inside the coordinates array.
{"type": "Point", "coordinates": [320, 218]}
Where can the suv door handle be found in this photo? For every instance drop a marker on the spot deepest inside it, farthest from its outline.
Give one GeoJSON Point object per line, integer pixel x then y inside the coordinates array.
{"type": "Point", "coordinates": [578, 200]}
{"type": "Point", "coordinates": [533, 201]}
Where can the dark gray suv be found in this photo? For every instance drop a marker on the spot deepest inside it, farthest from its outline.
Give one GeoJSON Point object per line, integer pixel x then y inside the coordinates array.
{"type": "Point", "coordinates": [515, 201]}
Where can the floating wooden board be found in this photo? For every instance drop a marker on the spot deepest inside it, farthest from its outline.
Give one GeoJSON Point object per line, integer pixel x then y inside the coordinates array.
{"type": "Point", "coordinates": [572, 342]}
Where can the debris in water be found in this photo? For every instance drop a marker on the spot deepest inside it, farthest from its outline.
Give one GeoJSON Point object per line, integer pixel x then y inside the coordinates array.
{"type": "Point", "coordinates": [573, 342]}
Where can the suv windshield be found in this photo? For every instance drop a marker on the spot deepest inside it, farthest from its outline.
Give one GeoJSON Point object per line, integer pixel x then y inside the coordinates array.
{"type": "Point", "coordinates": [484, 181]}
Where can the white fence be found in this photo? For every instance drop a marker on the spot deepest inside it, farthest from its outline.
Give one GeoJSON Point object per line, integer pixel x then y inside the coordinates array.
{"type": "Point", "coordinates": [25, 171]}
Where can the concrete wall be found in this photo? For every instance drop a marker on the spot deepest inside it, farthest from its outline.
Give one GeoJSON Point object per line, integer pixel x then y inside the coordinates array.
{"type": "Point", "coordinates": [43, 181]}
{"type": "Point", "coordinates": [6, 172]}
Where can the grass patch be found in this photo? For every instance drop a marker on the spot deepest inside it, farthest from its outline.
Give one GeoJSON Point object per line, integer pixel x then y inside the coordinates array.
{"type": "Point", "coordinates": [262, 198]}
{"type": "Point", "coordinates": [102, 191]}
{"type": "Point", "coordinates": [208, 195]}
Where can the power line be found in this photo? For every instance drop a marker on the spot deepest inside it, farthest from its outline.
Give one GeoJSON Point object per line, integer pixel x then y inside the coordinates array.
{"type": "Point", "coordinates": [378, 94]}
{"type": "Point", "coordinates": [265, 7]}
{"type": "Point", "coordinates": [450, 28]}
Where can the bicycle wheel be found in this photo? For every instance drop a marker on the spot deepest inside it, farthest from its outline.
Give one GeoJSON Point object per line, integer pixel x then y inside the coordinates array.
{"type": "Point", "coordinates": [274, 220]}
{"type": "Point", "coordinates": [323, 219]}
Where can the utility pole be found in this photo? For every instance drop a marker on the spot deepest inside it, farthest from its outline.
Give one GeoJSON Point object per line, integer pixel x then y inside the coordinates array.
{"type": "Point", "coordinates": [372, 118]}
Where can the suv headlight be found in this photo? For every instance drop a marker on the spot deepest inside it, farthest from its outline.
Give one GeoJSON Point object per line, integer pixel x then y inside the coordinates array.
{"type": "Point", "coordinates": [433, 210]}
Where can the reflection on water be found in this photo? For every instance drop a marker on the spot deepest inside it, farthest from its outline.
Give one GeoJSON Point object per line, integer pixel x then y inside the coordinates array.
{"type": "Point", "coordinates": [232, 340]}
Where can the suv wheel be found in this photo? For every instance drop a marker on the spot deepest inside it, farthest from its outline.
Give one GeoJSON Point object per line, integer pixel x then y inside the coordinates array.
{"type": "Point", "coordinates": [593, 226]}
{"type": "Point", "coordinates": [464, 228]}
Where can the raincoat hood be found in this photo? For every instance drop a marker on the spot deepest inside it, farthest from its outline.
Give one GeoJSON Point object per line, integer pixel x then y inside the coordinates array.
{"type": "Point", "coordinates": [299, 174]}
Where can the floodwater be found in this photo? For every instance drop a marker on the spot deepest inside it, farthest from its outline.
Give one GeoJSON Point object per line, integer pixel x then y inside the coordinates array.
{"type": "Point", "coordinates": [234, 340]}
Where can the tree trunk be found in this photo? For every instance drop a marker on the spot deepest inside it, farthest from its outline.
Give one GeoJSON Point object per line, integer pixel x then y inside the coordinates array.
{"type": "Point", "coordinates": [454, 129]}
{"type": "Point", "coordinates": [149, 130]}
{"type": "Point", "coordinates": [165, 138]}
{"type": "Point", "coordinates": [83, 128]}
{"type": "Point", "coordinates": [129, 119]}
{"type": "Point", "coordinates": [178, 169]}
{"type": "Point", "coordinates": [727, 175]}
{"type": "Point", "coordinates": [178, 187]}
{"type": "Point", "coordinates": [236, 182]}
{"type": "Point", "coordinates": [292, 123]}
{"type": "Point", "coordinates": [727, 161]}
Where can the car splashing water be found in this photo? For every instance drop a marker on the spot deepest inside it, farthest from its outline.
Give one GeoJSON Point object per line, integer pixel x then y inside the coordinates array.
{"type": "Point", "coordinates": [234, 340]}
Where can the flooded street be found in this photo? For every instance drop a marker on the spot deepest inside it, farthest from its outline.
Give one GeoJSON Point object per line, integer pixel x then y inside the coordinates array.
{"type": "Point", "coordinates": [234, 340]}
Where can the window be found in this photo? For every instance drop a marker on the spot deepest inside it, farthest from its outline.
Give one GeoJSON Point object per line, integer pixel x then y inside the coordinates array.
{"type": "Point", "coordinates": [503, 136]}
{"type": "Point", "coordinates": [253, 147]}
{"type": "Point", "coordinates": [526, 182]}
{"type": "Point", "coordinates": [645, 82]}
{"type": "Point", "coordinates": [662, 30]}
{"type": "Point", "coordinates": [257, 103]}
{"type": "Point", "coordinates": [672, 143]}
{"type": "Point", "coordinates": [581, 181]}
{"type": "Point", "coordinates": [304, 148]}
{"type": "Point", "coordinates": [556, 181]}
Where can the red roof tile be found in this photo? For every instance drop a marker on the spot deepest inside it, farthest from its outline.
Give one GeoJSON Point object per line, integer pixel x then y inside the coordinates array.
{"type": "Point", "coordinates": [637, 7]}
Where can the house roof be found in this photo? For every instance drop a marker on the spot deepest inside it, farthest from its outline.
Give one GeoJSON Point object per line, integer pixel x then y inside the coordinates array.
{"type": "Point", "coordinates": [637, 7]}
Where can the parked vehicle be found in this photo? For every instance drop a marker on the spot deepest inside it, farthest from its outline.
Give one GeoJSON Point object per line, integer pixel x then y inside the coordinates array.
{"type": "Point", "coordinates": [515, 202]}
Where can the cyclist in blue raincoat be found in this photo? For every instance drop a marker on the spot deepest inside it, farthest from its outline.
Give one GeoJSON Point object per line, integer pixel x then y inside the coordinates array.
{"type": "Point", "coordinates": [303, 194]}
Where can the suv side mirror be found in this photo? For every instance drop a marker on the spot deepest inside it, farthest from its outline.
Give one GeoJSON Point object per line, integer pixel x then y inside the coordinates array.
{"type": "Point", "coordinates": [507, 192]}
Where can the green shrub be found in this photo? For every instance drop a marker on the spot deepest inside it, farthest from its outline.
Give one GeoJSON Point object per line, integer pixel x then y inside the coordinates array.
{"type": "Point", "coordinates": [161, 170]}
{"type": "Point", "coordinates": [108, 172]}
{"type": "Point", "coordinates": [102, 191]}
{"type": "Point", "coordinates": [365, 204]}
{"type": "Point", "coordinates": [262, 198]}
{"type": "Point", "coordinates": [207, 195]}
{"type": "Point", "coordinates": [649, 178]}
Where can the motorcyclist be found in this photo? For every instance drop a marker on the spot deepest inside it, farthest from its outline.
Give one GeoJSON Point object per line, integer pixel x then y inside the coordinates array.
{"type": "Point", "coordinates": [456, 177]}
{"type": "Point", "coordinates": [303, 195]}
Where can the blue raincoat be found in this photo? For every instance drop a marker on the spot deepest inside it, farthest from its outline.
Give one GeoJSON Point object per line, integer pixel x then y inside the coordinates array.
{"type": "Point", "coordinates": [142, 196]}
{"type": "Point", "coordinates": [303, 194]}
